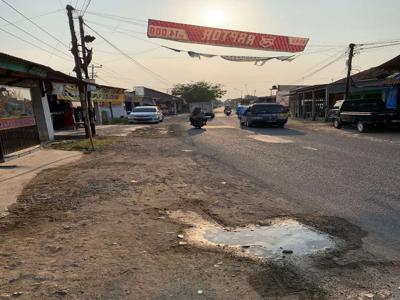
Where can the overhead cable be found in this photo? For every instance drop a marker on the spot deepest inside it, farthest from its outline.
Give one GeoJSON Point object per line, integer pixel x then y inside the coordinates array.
{"type": "Point", "coordinates": [158, 76]}
{"type": "Point", "coordinates": [86, 7]}
{"type": "Point", "coordinates": [32, 44]}
{"type": "Point", "coordinates": [141, 23]}
{"type": "Point", "coordinates": [34, 37]}
{"type": "Point", "coordinates": [38, 26]}
{"type": "Point", "coordinates": [37, 16]}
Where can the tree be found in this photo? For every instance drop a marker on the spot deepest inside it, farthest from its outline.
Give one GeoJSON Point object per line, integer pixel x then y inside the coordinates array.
{"type": "Point", "coordinates": [200, 91]}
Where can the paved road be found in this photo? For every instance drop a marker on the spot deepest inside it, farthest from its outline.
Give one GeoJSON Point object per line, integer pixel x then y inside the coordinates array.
{"type": "Point", "coordinates": [321, 170]}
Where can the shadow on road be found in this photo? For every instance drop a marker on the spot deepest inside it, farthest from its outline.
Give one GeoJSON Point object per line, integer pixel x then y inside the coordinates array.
{"type": "Point", "coordinates": [376, 130]}
{"type": "Point", "coordinates": [196, 131]}
{"type": "Point", "coordinates": [271, 130]}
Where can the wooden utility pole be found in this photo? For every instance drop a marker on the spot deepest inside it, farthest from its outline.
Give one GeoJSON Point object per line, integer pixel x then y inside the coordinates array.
{"type": "Point", "coordinates": [85, 69]}
{"type": "Point", "coordinates": [349, 66]}
{"type": "Point", "coordinates": [78, 71]}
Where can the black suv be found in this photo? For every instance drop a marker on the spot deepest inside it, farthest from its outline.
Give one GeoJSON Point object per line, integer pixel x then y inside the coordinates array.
{"type": "Point", "coordinates": [264, 113]}
{"type": "Point", "coordinates": [364, 113]}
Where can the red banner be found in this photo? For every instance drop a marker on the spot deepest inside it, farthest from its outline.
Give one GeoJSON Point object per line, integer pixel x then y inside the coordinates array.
{"type": "Point", "coordinates": [9, 123]}
{"type": "Point", "coordinates": [224, 37]}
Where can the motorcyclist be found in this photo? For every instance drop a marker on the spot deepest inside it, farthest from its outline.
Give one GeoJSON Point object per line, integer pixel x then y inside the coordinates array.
{"type": "Point", "coordinates": [227, 110]}
{"type": "Point", "coordinates": [196, 114]}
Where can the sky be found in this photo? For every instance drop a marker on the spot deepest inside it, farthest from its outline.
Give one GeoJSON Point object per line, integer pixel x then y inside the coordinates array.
{"type": "Point", "coordinates": [330, 26]}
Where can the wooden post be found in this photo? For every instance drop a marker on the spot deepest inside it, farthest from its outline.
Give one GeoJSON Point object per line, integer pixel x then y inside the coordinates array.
{"type": "Point", "coordinates": [349, 66]}
{"type": "Point", "coordinates": [78, 71]}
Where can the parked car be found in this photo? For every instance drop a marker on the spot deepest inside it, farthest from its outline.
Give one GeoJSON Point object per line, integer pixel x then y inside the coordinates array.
{"type": "Point", "coordinates": [332, 113]}
{"type": "Point", "coordinates": [146, 114]}
{"type": "Point", "coordinates": [241, 109]}
{"type": "Point", "coordinates": [365, 113]}
{"type": "Point", "coordinates": [265, 113]}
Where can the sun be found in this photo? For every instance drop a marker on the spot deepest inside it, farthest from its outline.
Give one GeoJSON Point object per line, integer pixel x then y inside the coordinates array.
{"type": "Point", "coordinates": [214, 17]}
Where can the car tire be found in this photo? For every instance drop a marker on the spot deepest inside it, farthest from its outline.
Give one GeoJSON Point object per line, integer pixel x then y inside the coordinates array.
{"type": "Point", "coordinates": [336, 123]}
{"type": "Point", "coordinates": [361, 127]}
{"type": "Point", "coordinates": [281, 125]}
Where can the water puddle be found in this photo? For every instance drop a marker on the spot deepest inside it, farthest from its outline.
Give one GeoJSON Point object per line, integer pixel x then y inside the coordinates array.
{"type": "Point", "coordinates": [283, 237]}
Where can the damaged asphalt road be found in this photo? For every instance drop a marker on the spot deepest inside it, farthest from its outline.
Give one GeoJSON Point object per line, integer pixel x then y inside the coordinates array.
{"type": "Point", "coordinates": [102, 228]}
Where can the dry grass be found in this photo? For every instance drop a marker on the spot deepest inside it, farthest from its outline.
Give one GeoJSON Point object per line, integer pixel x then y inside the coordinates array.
{"type": "Point", "coordinates": [84, 145]}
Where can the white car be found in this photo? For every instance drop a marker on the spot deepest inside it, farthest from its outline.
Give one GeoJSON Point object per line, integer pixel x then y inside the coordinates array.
{"type": "Point", "coordinates": [146, 114]}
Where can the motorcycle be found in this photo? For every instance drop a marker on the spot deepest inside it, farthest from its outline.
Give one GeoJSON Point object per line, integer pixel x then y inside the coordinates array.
{"type": "Point", "coordinates": [198, 122]}
{"type": "Point", "coordinates": [228, 113]}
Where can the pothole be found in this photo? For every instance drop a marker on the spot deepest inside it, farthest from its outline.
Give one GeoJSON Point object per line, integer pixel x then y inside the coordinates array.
{"type": "Point", "coordinates": [283, 237]}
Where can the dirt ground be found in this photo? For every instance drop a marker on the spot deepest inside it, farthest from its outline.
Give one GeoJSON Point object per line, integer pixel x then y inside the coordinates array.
{"type": "Point", "coordinates": [99, 229]}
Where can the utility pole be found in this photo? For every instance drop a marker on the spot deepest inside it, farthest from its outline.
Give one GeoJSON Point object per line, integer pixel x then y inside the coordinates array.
{"type": "Point", "coordinates": [95, 67]}
{"type": "Point", "coordinates": [85, 69]}
{"type": "Point", "coordinates": [78, 71]}
{"type": "Point", "coordinates": [349, 65]}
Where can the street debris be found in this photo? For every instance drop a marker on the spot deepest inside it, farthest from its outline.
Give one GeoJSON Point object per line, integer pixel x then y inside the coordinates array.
{"type": "Point", "coordinates": [181, 236]}
{"type": "Point", "coordinates": [182, 243]}
{"type": "Point", "coordinates": [200, 292]}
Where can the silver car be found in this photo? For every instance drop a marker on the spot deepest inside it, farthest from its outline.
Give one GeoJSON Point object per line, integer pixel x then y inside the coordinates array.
{"type": "Point", "coordinates": [146, 114]}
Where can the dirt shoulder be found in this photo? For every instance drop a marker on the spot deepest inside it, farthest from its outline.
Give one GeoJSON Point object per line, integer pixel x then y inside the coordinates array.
{"type": "Point", "coordinates": [99, 229]}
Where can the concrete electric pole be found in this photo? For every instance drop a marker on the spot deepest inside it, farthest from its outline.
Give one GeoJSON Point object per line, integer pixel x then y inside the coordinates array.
{"type": "Point", "coordinates": [78, 71]}
{"type": "Point", "coordinates": [86, 61]}
{"type": "Point", "coordinates": [349, 66]}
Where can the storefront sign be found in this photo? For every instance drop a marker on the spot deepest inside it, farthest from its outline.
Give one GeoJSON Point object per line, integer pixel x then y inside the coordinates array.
{"type": "Point", "coordinates": [224, 37]}
{"type": "Point", "coordinates": [64, 91]}
{"type": "Point", "coordinates": [113, 95]}
{"type": "Point", "coordinates": [10, 123]}
{"type": "Point", "coordinates": [100, 94]}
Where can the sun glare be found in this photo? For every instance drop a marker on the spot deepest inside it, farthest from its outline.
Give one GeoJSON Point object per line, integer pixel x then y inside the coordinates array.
{"type": "Point", "coordinates": [214, 17]}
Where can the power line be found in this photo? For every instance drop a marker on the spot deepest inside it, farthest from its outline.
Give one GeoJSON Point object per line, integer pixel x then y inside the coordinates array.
{"type": "Point", "coordinates": [310, 72]}
{"type": "Point", "coordinates": [41, 28]}
{"type": "Point", "coordinates": [32, 44]}
{"type": "Point", "coordinates": [109, 83]}
{"type": "Point", "coordinates": [324, 66]}
{"type": "Point", "coordinates": [136, 22]}
{"type": "Point", "coordinates": [34, 37]}
{"type": "Point", "coordinates": [161, 78]}
{"type": "Point", "coordinates": [379, 46]}
{"type": "Point", "coordinates": [378, 42]}
{"type": "Point", "coordinates": [86, 7]}
{"type": "Point", "coordinates": [108, 27]}
{"type": "Point", "coordinates": [83, 5]}
{"type": "Point", "coordinates": [37, 16]}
